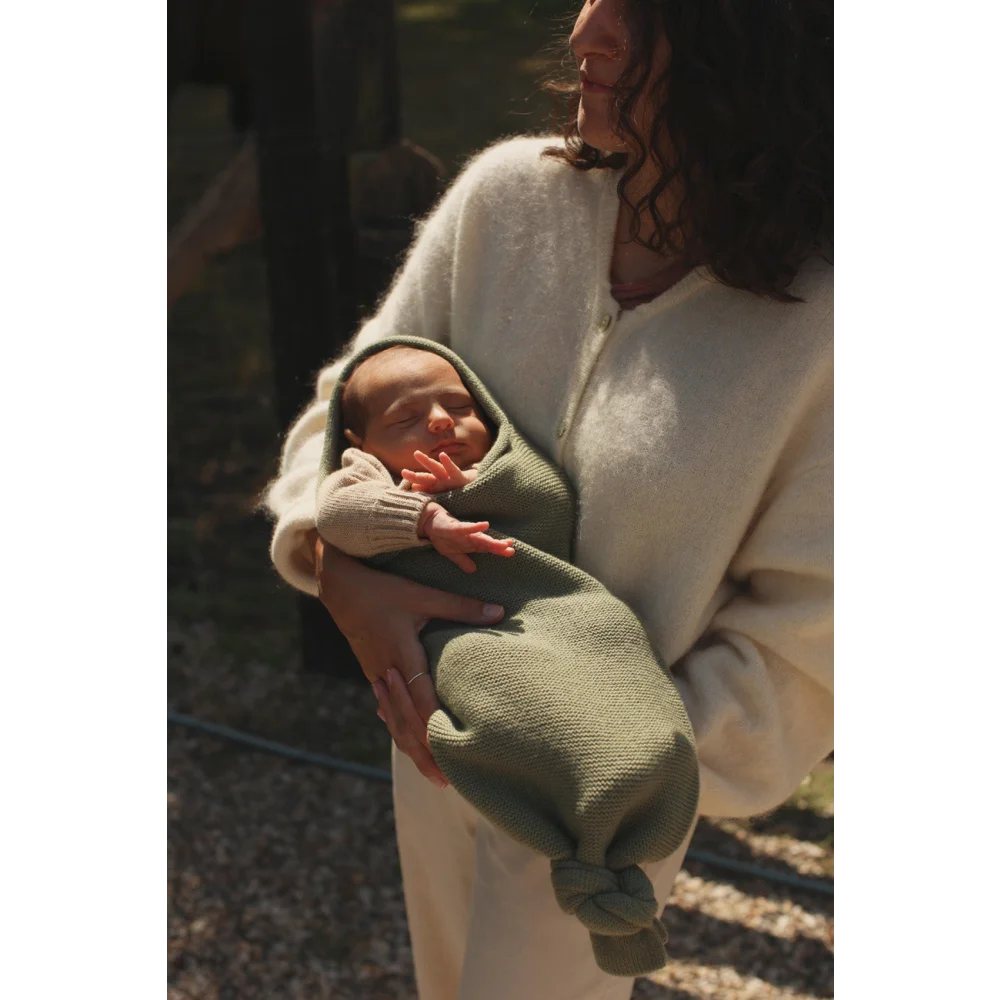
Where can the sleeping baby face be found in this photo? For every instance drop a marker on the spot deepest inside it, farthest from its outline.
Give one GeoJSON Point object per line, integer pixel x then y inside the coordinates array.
{"type": "Point", "coordinates": [403, 400]}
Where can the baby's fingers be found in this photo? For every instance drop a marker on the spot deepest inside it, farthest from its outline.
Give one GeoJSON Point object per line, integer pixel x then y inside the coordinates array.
{"type": "Point", "coordinates": [462, 561]}
{"type": "Point", "coordinates": [453, 471]}
{"type": "Point", "coordinates": [496, 546]}
{"type": "Point", "coordinates": [419, 480]}
{"type": "Point", "coordinates": [467, 528]}
{"type": "Point", "coordinates": [428, 463]}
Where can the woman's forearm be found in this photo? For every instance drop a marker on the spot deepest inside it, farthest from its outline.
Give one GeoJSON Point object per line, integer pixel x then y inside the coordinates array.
{"type": "Point", "coordinates": [330, 565]}
{"type": "Point", "coordinates": [307, 552]}
{"type": "Point", "coordinates": [324, 562]}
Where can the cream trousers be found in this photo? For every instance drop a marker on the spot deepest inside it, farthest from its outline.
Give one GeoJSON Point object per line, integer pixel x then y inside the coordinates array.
{"type": "Point", "coordinates": [483, 918]}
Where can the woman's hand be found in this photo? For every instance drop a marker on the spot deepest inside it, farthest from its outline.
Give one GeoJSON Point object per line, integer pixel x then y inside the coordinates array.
{"type": "Point", "coordinates": [382, 615]}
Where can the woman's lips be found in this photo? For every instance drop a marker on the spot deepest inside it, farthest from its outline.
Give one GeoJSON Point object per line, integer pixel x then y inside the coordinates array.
{"type": "Point", "coordinates": [589, 87]}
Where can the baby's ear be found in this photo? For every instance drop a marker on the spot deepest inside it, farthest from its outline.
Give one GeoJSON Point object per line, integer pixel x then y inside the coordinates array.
{"type": "Point", "coordinates": [356, 441]}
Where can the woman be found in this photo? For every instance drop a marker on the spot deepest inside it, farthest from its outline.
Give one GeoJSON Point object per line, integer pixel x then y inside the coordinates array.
{"type": "Point", "coordinates": [651, 304]}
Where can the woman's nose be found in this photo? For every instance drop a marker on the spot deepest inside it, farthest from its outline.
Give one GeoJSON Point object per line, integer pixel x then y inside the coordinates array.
{"type": "Point", "coordinates": [440, 420]}
{"type": "Point", "coordinates": [597, 31]}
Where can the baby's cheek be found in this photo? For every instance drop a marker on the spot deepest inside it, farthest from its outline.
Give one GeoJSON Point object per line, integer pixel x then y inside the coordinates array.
{"type": "Point", "coordinates": [482, 437]}
{"type": "Point", "coordinates": [403, 459]}
{"type": "Point", "coordinates": [395, 459]}
{"type": "Point", "coordinates": [482, 447]}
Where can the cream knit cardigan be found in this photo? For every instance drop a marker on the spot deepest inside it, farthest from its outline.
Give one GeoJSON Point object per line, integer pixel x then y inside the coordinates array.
{"type": "Point", "coordinates": [697, 430]}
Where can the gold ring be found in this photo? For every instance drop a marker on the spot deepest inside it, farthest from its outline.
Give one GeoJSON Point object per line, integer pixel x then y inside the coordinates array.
{"type": "Point", "coordinates": [415, 676]}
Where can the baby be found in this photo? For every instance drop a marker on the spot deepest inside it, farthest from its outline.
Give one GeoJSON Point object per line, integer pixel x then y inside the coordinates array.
{"type": "Point", "coordinates": [559, 724]}
{"type": "Point", "coordinates": [400, 407]}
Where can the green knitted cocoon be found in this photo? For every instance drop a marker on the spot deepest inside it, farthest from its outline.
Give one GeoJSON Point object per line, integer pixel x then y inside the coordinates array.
{"type": "Point", "coordinates": [559, 724]}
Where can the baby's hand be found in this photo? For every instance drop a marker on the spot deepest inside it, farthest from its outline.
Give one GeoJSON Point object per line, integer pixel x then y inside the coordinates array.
{"type": "Point", "coordinates": [454, 538]}
{"type": "Point", "coordinates": [440, 476]}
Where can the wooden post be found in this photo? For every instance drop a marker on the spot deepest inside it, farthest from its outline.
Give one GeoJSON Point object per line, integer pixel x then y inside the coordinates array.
{"type": "Point", "coordinates": [289, 178]}
{"type": "Point", "coordinates": [335, 75]}
{"type": "Point", "coordinates": [305, 215]}
{"type": "Point", "coordinates": [358, 105]}
{"type": "Point", "coordinates": [326, 85]}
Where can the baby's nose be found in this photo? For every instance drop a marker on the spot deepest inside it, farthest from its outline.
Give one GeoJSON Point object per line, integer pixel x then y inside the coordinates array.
{"type": "Point", "coordinates": [440, 418]}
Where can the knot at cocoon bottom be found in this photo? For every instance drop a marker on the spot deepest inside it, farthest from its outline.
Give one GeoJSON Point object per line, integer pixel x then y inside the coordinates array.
{"type": "Point", "coordinates": [605, 901]}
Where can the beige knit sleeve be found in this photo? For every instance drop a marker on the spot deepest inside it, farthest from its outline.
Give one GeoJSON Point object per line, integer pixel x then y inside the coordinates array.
{"type": "Point", "coordinates": [758, 687]}
{"type": "Point", "coordinates": [361, 511]}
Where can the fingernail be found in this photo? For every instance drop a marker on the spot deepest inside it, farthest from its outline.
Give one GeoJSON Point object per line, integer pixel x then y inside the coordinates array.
{"type": "Point", "coordinates": [492, 611]}
{"type": "Point", "coordinates": [440, 783]}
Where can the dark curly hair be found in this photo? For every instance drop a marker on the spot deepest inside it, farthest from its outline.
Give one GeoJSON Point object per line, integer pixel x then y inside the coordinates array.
{"type": "Point", "coordinates": [743, 127]}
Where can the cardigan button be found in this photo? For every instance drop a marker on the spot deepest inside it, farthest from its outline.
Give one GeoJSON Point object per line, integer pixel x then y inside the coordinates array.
{"type": "Point", "coordinates": [605, 323]}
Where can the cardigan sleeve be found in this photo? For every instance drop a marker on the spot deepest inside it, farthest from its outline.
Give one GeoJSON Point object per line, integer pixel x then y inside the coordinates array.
{"type": "Point", "coordinates": [758, 686]}
{"type": "Point", "coordinates": [361, 511]}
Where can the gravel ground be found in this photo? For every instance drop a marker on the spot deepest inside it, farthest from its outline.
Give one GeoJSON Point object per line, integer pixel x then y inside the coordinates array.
{"type": "Point", "coordinates": [284, 880]}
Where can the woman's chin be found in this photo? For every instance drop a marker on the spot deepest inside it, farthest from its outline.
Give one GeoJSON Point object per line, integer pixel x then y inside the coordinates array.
{"type": "Point", "coordinates": [597, 134]}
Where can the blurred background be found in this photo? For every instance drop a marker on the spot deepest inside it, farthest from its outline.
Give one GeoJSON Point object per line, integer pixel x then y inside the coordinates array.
{"type": "Point", "coordinates": [303, 141]}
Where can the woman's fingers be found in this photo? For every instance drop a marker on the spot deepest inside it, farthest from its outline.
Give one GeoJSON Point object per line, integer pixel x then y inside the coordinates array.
{"type": "Point", "coordinates": [413, 661]}
{"type": "Point", "coordinates": [391, 701]}
{"type": "Point", "coordinates": [403, 701]}
{"type": "Point", "coordinates": [429, 602]}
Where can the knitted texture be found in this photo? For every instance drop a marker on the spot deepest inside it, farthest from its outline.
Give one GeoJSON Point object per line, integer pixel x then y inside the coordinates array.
{"type": "Point", "coordinates": [559, 724]}
{"type": "Point", "coordinates": [361, 511]}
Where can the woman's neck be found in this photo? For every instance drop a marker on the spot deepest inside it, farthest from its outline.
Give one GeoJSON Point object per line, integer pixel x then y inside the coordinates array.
{"type": "Point", "coordinates": [630, 260]}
